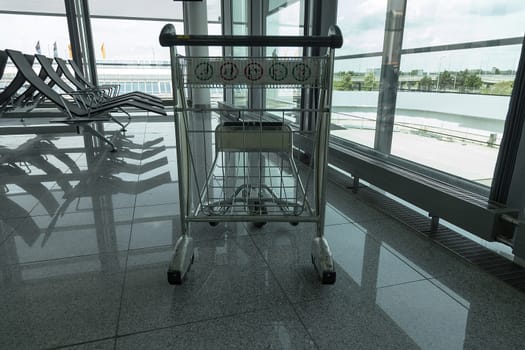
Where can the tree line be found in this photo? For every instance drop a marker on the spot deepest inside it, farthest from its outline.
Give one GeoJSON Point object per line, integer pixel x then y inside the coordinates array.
{"type": "Point", "coordinates": [465, 81]}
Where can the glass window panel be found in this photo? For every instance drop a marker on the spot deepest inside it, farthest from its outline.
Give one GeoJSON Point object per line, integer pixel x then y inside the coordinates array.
{"type": "Point", "coordinates": [126, 57]}
{"type": "Point", "coordinates": [137, 8]}
{"type": "Point", "coordinates": [362, 24]}
{"type": "Point", "coordinates": [29, 34]}
{"type": "Point", "coordinates": [437, 22]}
{"type": "Point", "coordinates": [215, 29]}
{"type": "Point", "coordinates": [285, 20]}
{"type": "Point", "coordinates": [354, 101]}
{"type": "Point", "coordinates": [240, 12]}
{"type": "Point", "coordinates": [129, 39]}
{"type": "Point", "coordinates": [35, 6]}
{"type": "Point", "coordinates": [214, 10]}
{"type": "Point", "coordinates": [452, 105]}
{"type": "Point", "coordinates": [451, 109]}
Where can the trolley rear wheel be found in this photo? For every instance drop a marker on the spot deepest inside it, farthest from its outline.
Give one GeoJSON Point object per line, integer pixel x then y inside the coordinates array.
{"type": "Point", "coordinates": [258, 208]}
{"type": "Point", "coordinates": [259, 224]}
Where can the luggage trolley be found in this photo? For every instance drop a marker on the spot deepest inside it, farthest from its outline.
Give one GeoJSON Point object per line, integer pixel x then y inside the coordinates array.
{"type": "Point", "coordinates": [238, 164]}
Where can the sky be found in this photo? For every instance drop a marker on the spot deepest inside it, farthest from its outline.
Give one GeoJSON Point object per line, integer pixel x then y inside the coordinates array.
{"type": "Point", "coordinates": [428, 22]}
{"type": "Point", "coordinates": [435, 22]}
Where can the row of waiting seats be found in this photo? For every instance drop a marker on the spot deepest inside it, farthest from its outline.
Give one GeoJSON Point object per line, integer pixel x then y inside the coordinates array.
{"type": "Point", "coordinates": [67, 89]}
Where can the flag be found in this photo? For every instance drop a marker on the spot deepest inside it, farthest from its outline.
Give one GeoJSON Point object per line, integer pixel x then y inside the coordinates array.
{"type": "Point", "coordinates": [55, 50]}
{"type": "Point", "coordinates": [37, 48]}
{"type": "Point", "coordinates": [69, 51]}
{"type": "Point", "coordinates": [103, 51]}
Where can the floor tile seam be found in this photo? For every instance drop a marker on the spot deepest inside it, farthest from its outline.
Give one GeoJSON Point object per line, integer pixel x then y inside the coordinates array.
{"type": "Point", "coordinates": [154, 205]}
{"type": "Point", "coordinates": [430, 280]}
{"type": "Point", "coordinates": [171, 245]}
{"type": "Point", "coordinates": [87, 342]}
{"type": "Point", "coordinates": [405, 283]}
{"type": "Point", "coordinates": [339, 224]}
{"type": "Point", "coordinates": [433, 280]}
{"type": "Point", "coordinates": [307, 331]}
{"type": "Point", "coordinates": [177, 325]}
{"type": "Point", "coordinates": [403, 259]}
{"type": "Point", "coordinates": [124, 280]}
{"type": "Point", "coordinates": [373, 219]}
{"type": "Point", "coordinates": [434, 245]}
{"type": "Point", "coordinates": [82, 256]}
{"type": "Point", "coordinates": [290, 302]}
{"type": "Point", "coordinates": [160, 203]}
{"type": "Point", "coordinates": [258, 233]}
{"type": "Point", "coordinates": [493, 279]}
{"type": "Point", "coordinates": [78, 212]}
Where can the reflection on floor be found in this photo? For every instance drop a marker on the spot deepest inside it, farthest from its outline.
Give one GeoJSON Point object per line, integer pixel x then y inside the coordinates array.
{"type": "Point", "coordinates": [86, 235]}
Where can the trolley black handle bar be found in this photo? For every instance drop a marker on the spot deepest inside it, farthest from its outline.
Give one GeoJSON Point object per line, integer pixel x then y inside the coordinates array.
{"type": "Point", "coordinates": [168, 37]}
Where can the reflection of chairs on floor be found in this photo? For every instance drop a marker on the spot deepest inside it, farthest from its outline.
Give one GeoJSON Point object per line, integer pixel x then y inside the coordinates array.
{"type": "Point", "coordinates": [28, 229]}
{"type": "Point", "coordinates": [15, 169]}
{"type": "Point", "coordinates": [15, 175]}
{"type": "Point", "coordinates": [98, 182]}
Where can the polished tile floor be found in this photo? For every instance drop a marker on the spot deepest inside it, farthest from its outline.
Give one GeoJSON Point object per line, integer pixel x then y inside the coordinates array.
{"type": "Point", "coordinates": [86, 236]}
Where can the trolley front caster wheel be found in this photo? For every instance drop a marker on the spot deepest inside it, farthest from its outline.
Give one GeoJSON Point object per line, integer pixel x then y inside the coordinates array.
{"type": "Point", "coordinates": [294, 223]}
{"type": "Point", "coordinates": [328, 277]}
{"type": "Point", "coordinates": [174, 277]}
{"type": "Point", "coordinates": [213, 223]}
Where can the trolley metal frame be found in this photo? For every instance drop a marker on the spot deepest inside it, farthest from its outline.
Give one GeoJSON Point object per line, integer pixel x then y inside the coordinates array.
{"type": "Point", "coordinates": [253, 176]}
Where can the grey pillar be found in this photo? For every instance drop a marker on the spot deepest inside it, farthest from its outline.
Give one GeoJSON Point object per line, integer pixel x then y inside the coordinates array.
{"type": "Point", "coordinates": [90, 52]}
{"type": "Point", "coordinates": [74, 36]}
{"type": "Point", "coordinates": [516, 199]}
{"type": "Point", "coordinates": [393, 40]}
{"type": "Point", "coordinates": [196, 22]}
{"type": "Point", "coordinates": [81, 38]}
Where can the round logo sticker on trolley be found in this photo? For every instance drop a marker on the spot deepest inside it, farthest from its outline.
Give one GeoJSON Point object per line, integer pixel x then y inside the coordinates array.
{"type": "Point", "coordinates": [301, 72]}
{"type": "Point", "coordinates": [203, 71]}
{"type": "Point", "coordinates": [229, 71]}
{"type": "Point", "coordinates": [253, 71]}
{"type": "Point", "coordinates": [278, 71]}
